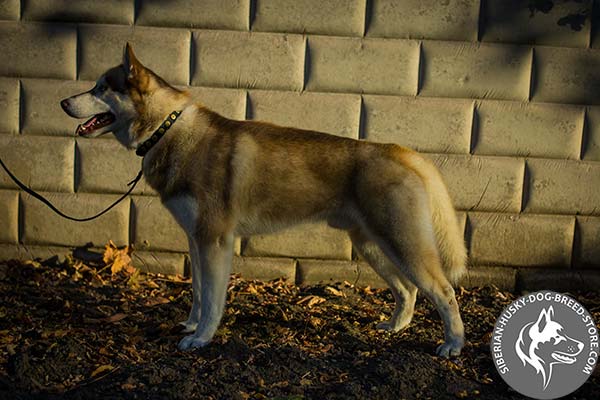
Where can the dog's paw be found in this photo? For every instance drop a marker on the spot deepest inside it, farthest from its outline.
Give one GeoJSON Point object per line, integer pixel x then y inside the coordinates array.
{"type": "Point", "coordinates": [192, 342]}
{"type": "Point", "coordinates": [390, 326]}
{"type": "Point", "coordinates": [387, 326]}
{"type": "Point", "coordinates": [448, 350]}
{"type": "Point", "coordinates": [189, 326]}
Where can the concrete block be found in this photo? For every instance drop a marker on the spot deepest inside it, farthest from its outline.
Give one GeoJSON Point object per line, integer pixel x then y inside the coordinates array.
{"type": "Point", "coordinates": [28, 252]}
{"type": "Point", "coordinates": [482, 183]}
{"type": "Point", "coordinates": [529, 129]}
{"type": "Point", "coordinates": [359, 273]}
{"type": "Point", "coordinates": [306, 240]}
{"type": "Point", "coordinates": [164, 51]}
{"type": "Point", "coordinates": [42, 226]}
{"type": "Point", "coordinates": [265, 269]}
{"type": "Point", "coordinates": [521, 240]}
{"type": "Point", "coordinates": [333, 17]}
{"type": "Point", "coordinates": [51, 50]}
{"type": "Point", "coordinates": [512, 21]}
{"type": "Point", "coordinates": [248, 60]}
{"type": "Point", "coordinates": [557, 280]}
{"type": "Point", "coordinates": [9, 105]}
{"type": "Point", "coordinates": [475, 70]}
{"type": "Point", "coordinates": [159, 262]}
{"type": "Point", "coordinates": [10, 10]}
{"type": "Point", "coordinates": [210, 14]}
{"type": "Point", "coordinates": [41, 109]}
{"type": "Point", "coordinates": [338, 114]}
{"type": "Point", "coordinates": [591, 138]}
{"type": "Point", "coordinates": [9, 216]}
{"type": "Point", "coordinates": [587, 243]}
{"type": "Point", "coordinates": [42, 163]}
{"type": "Point", "coordinates": [105, 166]}
{"type": "Point", "coordinates": [359, 65]}
{"type": "Point", "coordinates": [421, 123]}
{"type": "Point", "coordinates": [563, 187]}
{"type": "Point", "coordinates": [154, 228]}
{"type": "Point", "coordinates": [425, 19]}
{"type": "Point", "coordinates": [502, 278]}
{"type": "Point", "coordinates": [230, 103]}
{"type": "Point", "coordinates": [99, 12]}
{"type": "Point", "coordinates": [566, 75]}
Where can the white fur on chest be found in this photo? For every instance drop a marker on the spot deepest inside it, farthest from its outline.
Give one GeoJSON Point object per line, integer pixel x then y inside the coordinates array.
{"type": "Point", "coordinates": [184, 209]}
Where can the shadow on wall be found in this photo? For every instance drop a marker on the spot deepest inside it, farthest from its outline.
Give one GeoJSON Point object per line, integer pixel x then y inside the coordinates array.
{"type": "Point", "coordinates": [568, 14]}
{"type": "Point", "coordinates": [574, 20]}
{"type": "Point", "coordinates": [568, 27]}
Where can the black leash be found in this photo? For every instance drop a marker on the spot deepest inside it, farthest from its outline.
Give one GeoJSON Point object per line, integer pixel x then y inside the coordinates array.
{"type": "Point", "coordinates": [41, 198]}
{"type": "Point", "coordinates": [141, 151]}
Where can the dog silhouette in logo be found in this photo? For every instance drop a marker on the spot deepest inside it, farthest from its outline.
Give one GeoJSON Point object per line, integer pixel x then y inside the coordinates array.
{"type": "Point", "coordinates": [543, 344]}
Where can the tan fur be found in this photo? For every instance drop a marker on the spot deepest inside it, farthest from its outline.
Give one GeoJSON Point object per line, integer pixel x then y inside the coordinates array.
{"type": "Point", "coordinates": [246, 177]}
{"type": "Point", "coordinates": [447, 233]}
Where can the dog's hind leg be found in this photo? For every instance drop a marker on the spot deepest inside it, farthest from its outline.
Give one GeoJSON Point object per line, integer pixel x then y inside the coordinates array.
{"type": "Point", "coordinates": [215, 265]}
{"type": "Point", "coordinates": [194, 317]}
{"type": "Point", "coordinates": [404, 292]}
{"type": "Point", "coordinates": [399, 220]}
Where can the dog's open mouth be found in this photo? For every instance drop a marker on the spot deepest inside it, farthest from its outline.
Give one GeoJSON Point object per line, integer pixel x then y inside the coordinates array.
{"type": "Point", "coordinates": [563, 358]}
{"type": "Point", "coordinates": [96, 122]}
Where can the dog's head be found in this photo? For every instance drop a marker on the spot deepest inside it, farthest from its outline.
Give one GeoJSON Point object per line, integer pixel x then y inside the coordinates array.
{"type": "Point", "coordinates": [129, 100]}
{"type": "Point", "coordinates": [544, 343]}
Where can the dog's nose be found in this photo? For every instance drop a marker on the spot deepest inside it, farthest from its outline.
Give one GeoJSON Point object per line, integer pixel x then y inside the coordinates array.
{"type": "Point", "coordinates": [65, 105]}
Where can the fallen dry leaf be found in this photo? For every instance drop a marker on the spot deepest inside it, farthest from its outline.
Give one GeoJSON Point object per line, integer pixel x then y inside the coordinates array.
{"type": "Point", "coordinates": [115, 318]}
{"type": "Point", "coordinates": [128, 386]}
{"type": "Point", "coordinates": [118, 259]}
{"type": "Point", "coordinates": [101, 369]}
{"type": "Point", "coordinates": [154, 301]}
{"type": "Point", "coordinates": [311, 300]}
{"type": "Point", "coordinates": [135, 278]}
{"type": "Point", "coordinates": [335, 292]}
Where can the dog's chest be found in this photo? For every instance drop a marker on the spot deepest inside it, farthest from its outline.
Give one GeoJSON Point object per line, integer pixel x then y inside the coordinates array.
{"type": "Point", "coordinates": [184, 209]}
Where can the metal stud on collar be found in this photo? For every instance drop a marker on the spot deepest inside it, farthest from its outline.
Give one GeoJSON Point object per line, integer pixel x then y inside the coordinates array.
{"type": "Point", "coordinates": [159, 133]}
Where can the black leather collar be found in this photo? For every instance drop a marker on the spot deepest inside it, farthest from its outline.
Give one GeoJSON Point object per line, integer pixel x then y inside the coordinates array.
{"type": "Point", "coordinates": [160, 132]}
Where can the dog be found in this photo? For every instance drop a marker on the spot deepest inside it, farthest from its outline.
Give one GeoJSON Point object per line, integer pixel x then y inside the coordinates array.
{"type": "Point", "coordinates": [222, 178]}
{"type": "Point", "coordinates": [543, 344]}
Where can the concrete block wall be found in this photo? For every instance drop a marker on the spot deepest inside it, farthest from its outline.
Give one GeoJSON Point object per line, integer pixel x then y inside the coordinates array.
{"type": "Point", "coordinates": [503, 98]}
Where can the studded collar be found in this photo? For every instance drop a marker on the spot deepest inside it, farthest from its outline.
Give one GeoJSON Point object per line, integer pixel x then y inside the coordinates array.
{"type": "Point", "coordinates": [159, 133]}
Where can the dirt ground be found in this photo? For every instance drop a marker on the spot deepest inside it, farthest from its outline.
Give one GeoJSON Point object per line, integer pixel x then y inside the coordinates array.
{"type": "Point", "coordinates": [85, 331]}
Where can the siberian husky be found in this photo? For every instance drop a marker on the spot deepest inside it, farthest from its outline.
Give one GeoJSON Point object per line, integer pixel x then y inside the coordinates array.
{"type": "Point", "coordinates": [221, 178]}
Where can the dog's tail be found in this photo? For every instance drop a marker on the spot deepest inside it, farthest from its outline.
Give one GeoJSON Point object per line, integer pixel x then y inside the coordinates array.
{"type": "Point", "coordinates": [450, 239]}
{"type": "Point", "coordinates": [448, 235]}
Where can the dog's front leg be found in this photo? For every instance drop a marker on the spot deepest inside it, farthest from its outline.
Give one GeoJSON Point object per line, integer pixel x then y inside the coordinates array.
{"type": "Point", "coordinates": [194, 317]}
{"type": "Point", "coordinates": [215, 265]}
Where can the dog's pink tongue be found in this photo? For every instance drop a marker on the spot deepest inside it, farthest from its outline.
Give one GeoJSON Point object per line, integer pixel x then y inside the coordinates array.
{"type": "Point", "coordinates": [96, 122]}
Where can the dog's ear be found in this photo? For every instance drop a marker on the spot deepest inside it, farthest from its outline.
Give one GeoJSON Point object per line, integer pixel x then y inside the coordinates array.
{"type": "Point", "coordinates": [130, 62]}
{"type": "Point", "coordinates": [137, 75]}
